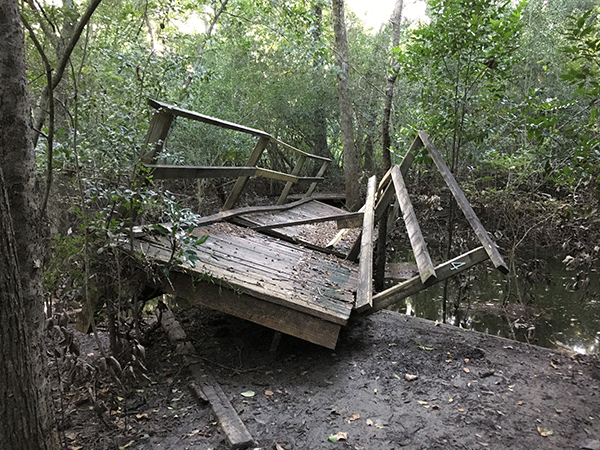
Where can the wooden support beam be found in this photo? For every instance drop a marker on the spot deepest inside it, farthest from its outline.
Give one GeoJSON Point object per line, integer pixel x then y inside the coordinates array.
{"type": "Point", "coordinates": [415, 236]}
{"type": "Point", "coordinates": [272, 315]}
{"type": "Point", "coordinates": [296, 172]}
{"type": "Point", "coordinates": [160, 124]}
{"type": "Point", "coordinates": [346, 220]}
{"type": "Point", "coordinates": [364, 291]}
{"type": "Point", "coordinates": [321, 173]}
{"type": "Point", "coordinates": [412, 286]}
{"type": "Point", "coordinates": [165, 172]}
{"type": "Point", "coordinates": [240, 184]}
{"type": "Point", "coordinates": [464, 205]}
{"type": "Point", "coordinates": [385, 191]}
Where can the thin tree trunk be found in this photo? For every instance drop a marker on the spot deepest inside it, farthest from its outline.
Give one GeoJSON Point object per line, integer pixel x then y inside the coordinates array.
{"type": "Point", "coordinates": [387, 144]}
{"type": "Point", "coordinates": [27, 417]}
{"type": "Point", "coordinates": [351, 165]}
{"type": "Point", "coordinates": [389, 90]}
{"type": "Point", "coordinates": [320, 146]}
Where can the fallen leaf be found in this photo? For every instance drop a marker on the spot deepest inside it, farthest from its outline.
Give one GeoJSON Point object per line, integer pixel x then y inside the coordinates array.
{"type": "Point", "coordinates": [422, 347]}
{"type": "Point", "coordinates": [248, 394]}
{"type": "Point", "coordinates": [354, 417]}
{"type": "Point", "coordinates": [369, 423]}
{"type": "Point", "coordinates": [435, 407]}
{"type": "Point", "coordinates": [268, 393]}
{"type": "Point", "coordinates": [466, 369]}
{"type": "Point", "coordinates": [545, 431]}
{"type": "Point", "coordinates": [461, 409]}
{"type": "Point", "coordinates": [409, 377]}
{"type": "Point", "coordinates": [421, 402]}
{"type": "Point", "coordinates": [397, 376]}
{"type": "Point", "coordinates": [339, 436]}
{"type": "Point", "coordinates": [378, 426]}
{"type": "Point", "coordinates": [278, 447]}
{"type": "Point", "coordinates": [142, 416]}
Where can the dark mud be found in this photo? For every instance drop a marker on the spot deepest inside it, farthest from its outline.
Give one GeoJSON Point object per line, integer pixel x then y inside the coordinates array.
{"type": "Point", "coordinates": [471, 391]}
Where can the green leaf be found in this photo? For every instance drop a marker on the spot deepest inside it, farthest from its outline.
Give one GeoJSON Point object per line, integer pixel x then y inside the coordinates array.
{"type": "Point", "coordinates": [248, 394]}
{"type": "Point", "coordinates": [422, 347]}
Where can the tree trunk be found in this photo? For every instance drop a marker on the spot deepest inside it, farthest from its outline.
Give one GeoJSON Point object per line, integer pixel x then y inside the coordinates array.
{"type": "Point", "coordinates": [351, 166]}
{"type": "Point", "coordinates": [320, 146]}
{"type": "Point", "coordinates": [387, 144]}
{"type": "Point", "coordinates": [389, 90]}
{"type": "Point", "coordinates": [25, 408]}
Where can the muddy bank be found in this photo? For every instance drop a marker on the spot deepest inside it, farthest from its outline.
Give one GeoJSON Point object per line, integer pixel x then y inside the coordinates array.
{"type": "Point", "coordinates": [472, 391]}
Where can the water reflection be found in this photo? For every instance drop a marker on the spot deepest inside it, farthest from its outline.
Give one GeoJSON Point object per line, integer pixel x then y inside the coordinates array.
{"type": "Point", "coordinates": [555, 307]}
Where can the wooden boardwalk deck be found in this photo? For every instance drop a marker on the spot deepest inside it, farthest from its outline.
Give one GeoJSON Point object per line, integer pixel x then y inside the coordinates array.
{"type": "Point", "coordinates": [265, 279]}
{"type": "Point", "coordinates": [286, 266]}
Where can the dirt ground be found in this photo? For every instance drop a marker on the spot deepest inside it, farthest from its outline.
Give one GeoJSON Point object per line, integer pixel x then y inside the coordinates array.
{"type": "Point", "coordinates": [472, 391]}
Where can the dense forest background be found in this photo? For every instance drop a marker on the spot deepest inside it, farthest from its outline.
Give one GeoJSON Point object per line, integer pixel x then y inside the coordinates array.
{"type": "Point", "coordinates": [508, 92]}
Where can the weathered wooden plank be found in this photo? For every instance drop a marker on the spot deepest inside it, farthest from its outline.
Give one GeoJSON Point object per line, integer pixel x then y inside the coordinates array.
{"type": "Point", "coordinates": [346, 220]}
{"type": "Point", "coordinates": [233, 427]}
{"type": "Point", "coordinates": [415, 236]}
{"type": "Point", "coordinates": [409, 287]}
{"type": "Point", "coordinates": [240, 184]}
{"type": "Point", "coordinates": [271, 315]}
{"type": "Point", "coordinates": [313, 186]}
{"type": "Point", "coordinates": [221, 216]}
{"type": "Point", "coordinates": [364, 291]}
{"type": "Point", "coordinates": [299, 152]}
{"type": "Point", "coordinates": [464, 205]}
{"type": "Point", "coordinates": [288, 186]}
{"type": "Point", "coordinates": [174, 110]}
{"type": "Point", "coordinates": [235, 430]}
{"type": "Point", "coordinates": [160, 124]}
{"type": "Point", "coordinates": [288, 178]}
{"type": "Point", "coordinates": [164, 172]}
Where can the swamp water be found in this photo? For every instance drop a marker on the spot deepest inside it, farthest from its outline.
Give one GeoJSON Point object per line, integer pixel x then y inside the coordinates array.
{"type": "Point", "coordinates": [561, 307]}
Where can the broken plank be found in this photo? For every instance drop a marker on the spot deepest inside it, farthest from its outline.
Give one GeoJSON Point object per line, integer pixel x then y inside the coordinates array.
{"type": "Point", "coordinates": [364, 291]}
{"type": "Point", "coordinates": [409, 287]}
{"type": "Point", "coordinates": [464, 205]}
{"type": "Point", "coordinates": [346, 220]}
{"type": "Point", "coordinates": [415, 236]}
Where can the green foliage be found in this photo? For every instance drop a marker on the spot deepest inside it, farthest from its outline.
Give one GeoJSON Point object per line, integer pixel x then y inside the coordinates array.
{"type": "Point", "coordinates": [462, 60]}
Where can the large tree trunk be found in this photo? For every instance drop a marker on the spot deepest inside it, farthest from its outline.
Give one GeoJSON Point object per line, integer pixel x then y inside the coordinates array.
{"type": "Point", "coordinates": [27, 420]}
{"type": "Point", "coordinates": [351, 166]}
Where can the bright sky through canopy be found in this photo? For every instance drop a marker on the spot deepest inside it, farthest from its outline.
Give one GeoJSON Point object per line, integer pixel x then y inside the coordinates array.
{"type": "Point", "coordinates": [374, 13]}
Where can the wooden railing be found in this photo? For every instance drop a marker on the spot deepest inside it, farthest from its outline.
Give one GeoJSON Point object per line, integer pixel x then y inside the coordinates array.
{"type": "Point", "coordinates": [390, 188]}
{"type": "Point", "coordinates": [159, 129]}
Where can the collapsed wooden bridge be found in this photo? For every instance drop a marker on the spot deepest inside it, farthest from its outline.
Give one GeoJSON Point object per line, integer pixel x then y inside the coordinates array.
{"type": "Point", "coordinates": [285, 266]}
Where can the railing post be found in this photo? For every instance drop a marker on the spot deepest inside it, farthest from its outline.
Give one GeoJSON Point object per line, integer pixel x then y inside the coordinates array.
{"type": "Point", "coordinates": [240, 184]}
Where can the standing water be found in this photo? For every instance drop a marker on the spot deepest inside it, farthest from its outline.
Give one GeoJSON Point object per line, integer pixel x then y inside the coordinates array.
{"type": "Point", "coordinates": [553, 308]}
